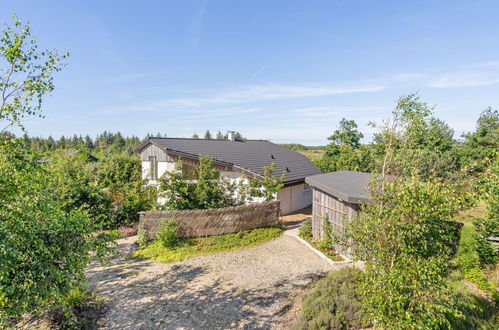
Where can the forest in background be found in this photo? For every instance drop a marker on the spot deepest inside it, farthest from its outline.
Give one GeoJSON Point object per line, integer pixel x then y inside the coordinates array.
{"type": "Point", "coordinates": [58, 204]}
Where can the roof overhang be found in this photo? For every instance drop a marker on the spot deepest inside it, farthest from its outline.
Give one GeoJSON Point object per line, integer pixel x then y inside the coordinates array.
{"type": "Point", "coordinates": [360, 199]}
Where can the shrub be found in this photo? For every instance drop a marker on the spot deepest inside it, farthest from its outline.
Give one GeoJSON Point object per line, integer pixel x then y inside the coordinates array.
{"type": "Point", "coordinates": [406, 244]}
{"type": "Point", "coordinates": [489, 226]}
{"type": "Point", "coordinates": [142, 239]}
{"type": "Point", "coordinates": [211, 190]}
{"type": "Point", "coordinates": [167, 233]}
{"type": "Point", "coordinates": [121, 177]}
{"type": "Point", "coordinates": [43, 248]}
{"type": "Point", "coordinates": [306, 229]}
{"type": "Point", "coordinates": [332, 303]}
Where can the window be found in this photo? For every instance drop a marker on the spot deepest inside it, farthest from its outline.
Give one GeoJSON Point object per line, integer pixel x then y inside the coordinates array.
{"type": "Point", "coordinates": [154, 167]}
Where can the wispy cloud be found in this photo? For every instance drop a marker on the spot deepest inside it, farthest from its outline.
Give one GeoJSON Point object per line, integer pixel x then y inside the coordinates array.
{"type": "Point", "coordinates": [336, 110]}
{"type": "Point", "coordinates": [472, 75]}
{"type": "Point", "coordinates": [196, 30]}
{"type": "Point", "coordinates": [465, 79]}
{"type": "Point", "coordinates": [256, 93]}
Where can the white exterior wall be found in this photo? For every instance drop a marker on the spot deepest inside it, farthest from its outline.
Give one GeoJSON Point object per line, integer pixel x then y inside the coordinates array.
{"type": "Point", "coordinates": [162, 168]}
{"type": "Point", "coordinates": [294, 198]}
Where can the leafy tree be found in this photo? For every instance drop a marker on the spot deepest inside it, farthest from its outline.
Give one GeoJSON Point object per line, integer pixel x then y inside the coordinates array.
{"type": "Point", "coordinates": [75, 185]}
{"type": "Point", "coordinates": [269, 186]}
{"type": "Point", "coordinates": [347, 134]}
{"type": "Point", "coordinates": [120, 176]}
{"type": "Point", "coordinates": [405, 239]}
{"type": "Point", "coordinates": [414, 139]}
{"type": "Point", "coordinates": [403, 234]}
{"type": "Point", "coordinates": [25, 73]}
{"type": "Point", "coordinates": [43, 247]}
{"type": "Point", "coordinates": [480, 147]}
{"type": "Point", "coordinates": [211, 190]}
{"type": "Point", "coordinates": [345, 151]}
{"type": "Point", "coordinates": [207, 135]}
{"type": "Point", "coordinates": [195, 136]}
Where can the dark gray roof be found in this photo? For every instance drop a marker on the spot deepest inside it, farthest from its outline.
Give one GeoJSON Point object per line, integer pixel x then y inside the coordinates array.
{"type": "Point", "coordinates": [249, 155]}
{"type": "Point", "coordinates": [349, 186]}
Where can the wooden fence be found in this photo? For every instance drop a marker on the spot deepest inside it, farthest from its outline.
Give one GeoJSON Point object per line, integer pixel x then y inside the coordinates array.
{"type": "Point", "coordinates": [199, 223]}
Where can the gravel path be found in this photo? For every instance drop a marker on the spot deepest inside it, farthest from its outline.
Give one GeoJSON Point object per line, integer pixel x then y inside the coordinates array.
{"type": "Point", "coordinates": [249, 288]}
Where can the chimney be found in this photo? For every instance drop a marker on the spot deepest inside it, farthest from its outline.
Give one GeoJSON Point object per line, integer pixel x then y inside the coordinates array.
{"type": "Point", "coordinates": [231, 135]}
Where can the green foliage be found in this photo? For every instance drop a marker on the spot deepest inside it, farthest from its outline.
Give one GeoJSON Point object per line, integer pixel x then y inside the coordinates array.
{"type": "Point", "coordinates": [489, 225]}
{"type": "Point", "coordinates": [80, 309]}
{"type": "Point", "coordinates": [111, 190]}
{"type": "Point", "coordinates": [269, 186]}
{"type": "Point", "coordinates": [480, 147]}
{"type": "Point", "coordinates": [405, 241]}
{"type": "Point", "coordinates": [118, 170]}
{"type": "Point", "coordinates": [306, 229]}
{"type": "Point", "coordinates": [211, 190]}
{"type": "Point", "coordinates": [347, 134]}
{"type": "Point", "coordinates": [324, 245]}
{"type": "Point", "coordinates": [207, 135]}
{"type": "Point", "coordinates": [415, 141]}
{"type": "Point", "coordinates": [167, 233]}
{"type": "Point", "coordinates": [345, 151]}
{"type": "Point", "coordinates": [74, 184]}
{"type": "Point", "coordinates": [191, 247]}
{"type": "Point", "coordinates": [345, 157]}
{"type": "Point", "coordinates": [26, 73]}
{"type": "Point", "coordinates": [120, 176]}
{"type": "Point", "coordinates": [43, 248]}
{"type": "Point", "coordinates": [142, 238]}
{"type": "Point", "coordinates": [332, 303]}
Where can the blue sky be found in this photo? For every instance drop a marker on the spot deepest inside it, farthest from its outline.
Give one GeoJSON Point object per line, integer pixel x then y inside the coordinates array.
{"type": "Point", "coordinates": [287, 71]}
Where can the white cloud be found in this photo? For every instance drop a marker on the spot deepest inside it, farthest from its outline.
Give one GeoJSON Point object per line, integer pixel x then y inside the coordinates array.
{"type": "Point", "coordinates": [256, 93]}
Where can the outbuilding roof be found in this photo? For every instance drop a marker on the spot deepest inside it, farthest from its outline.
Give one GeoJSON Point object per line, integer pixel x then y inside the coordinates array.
{"type": "Point", "coordinates": [348, 186]}
{"type": "Point", "coordinates": [248, 155]}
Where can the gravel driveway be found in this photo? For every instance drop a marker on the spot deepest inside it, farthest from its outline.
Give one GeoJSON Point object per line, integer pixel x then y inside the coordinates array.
{"type": "Point", "coordinates": [250, 288]}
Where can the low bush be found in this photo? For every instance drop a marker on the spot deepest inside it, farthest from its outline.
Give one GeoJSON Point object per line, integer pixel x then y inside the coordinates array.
{"type": "Point", "coordinates": [324, 245]}
{"type": "Point", "coordinates": [332, 303]}
{"type": "Point", "coordinates": [306, 229]}
{"type": "Point", "coordinates": [191, 247]}
{"type": "Point", "coordinates": [167, 233]}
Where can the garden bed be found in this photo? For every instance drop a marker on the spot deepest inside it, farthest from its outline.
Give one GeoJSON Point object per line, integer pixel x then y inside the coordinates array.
{"type": "Point", "coordinates": [325, 245]}
{"type": "Point", "coordinates": [192, 247]}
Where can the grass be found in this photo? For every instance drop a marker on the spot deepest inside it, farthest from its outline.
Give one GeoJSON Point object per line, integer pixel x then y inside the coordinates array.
{"type": "Point", "coordinates": [466, 261]}
{"type": "Point", "coordinates": [192, 247]}
{"type": "Point", "coordinates": [312, 154]}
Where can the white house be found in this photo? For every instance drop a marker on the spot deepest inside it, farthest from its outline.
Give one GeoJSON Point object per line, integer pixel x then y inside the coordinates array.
{"type": "Point", "coordinates": [232, 158]}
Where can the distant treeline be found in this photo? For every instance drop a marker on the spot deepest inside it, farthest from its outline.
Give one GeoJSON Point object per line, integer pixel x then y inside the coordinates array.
{"type": "Point", "coordinates": [107, 142]}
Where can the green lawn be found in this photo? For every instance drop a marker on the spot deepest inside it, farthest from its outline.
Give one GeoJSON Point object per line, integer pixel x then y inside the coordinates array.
{"type": "Point", "coordinates": [192, 247]}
